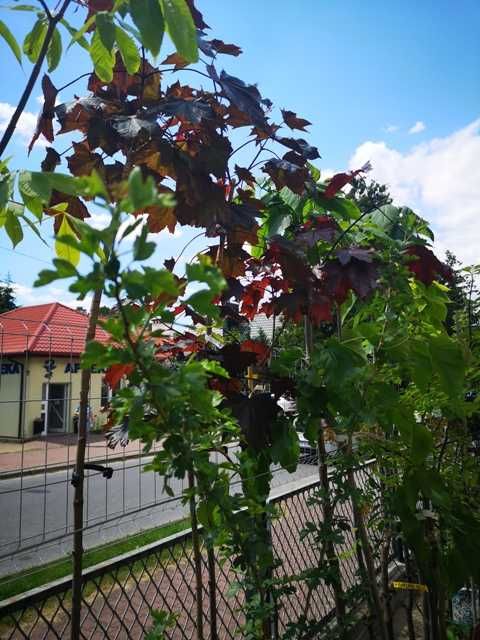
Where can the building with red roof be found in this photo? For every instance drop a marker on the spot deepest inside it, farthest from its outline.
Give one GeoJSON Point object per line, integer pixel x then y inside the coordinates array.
{"type": "Point", "coordinates": [40, 351]}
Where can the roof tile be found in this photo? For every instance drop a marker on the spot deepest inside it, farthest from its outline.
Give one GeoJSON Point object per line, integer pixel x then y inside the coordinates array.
{"type": "Point", "coordinates": [47, 329]}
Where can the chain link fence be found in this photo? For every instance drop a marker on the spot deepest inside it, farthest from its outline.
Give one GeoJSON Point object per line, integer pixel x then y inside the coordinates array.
{"type": "Point", "coordinates": [118, 595]}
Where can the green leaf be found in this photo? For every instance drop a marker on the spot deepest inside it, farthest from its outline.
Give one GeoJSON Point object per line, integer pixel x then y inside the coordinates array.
{"type": "Point", "coordinates": [73, 32]}
{"type": "Point", "coordinates": [33, 227]}
{"type": "Point", "coordinates": [65, 250]}
{"type": "Point", "coordinates": [105, 29]}
{"type": "Point", "coordinates": [205, 271]}
{"type": "Point", "coordinates": [61, 182]}
{"type": "Point", "coordinates": [181, 28]}
{"type": "Point", "coordinates": [449, 364]}
{"type": "Point", "coordinates": [6, 188]}
{"type": "Point", "coordinates": [420, 362]}
{"type": "Point", "coordinates": [142, 249]}
{"type": "Point", "coordinates": [201, 301]}
{"type": "Point", "coordinates": [422, 443]}
{"type": "Point", "coordinates": [343, 206]}
{"type": "Point", "coordinates": [103, 58]}
{"type": "Point", "coordinates": [54, 52]}
{"type": "Point", "coordinates": [33, 42]}
{"type": "Point", "coordinates": [129, 29]}
{"type": "Point", "coordinates": [141, 194]}
{"type": "Point", "coordinates": [21, 7]}
{"type": "Point", "coordinates": [35, 189]}
{"type": "Point", "coordinates": [64, 269]}
{"type": "Point", "coordinates": [92, 186]}
{"type": "Point", "coordinates": [13, 227]}
{"type": "Point", "coordinates": [214, 368]}
{"type": "Point", "coordinates": [147, 16]}
{"type": "Point", "coordinates": [128, 51]}
{"type": "Point", "coordinates": [9, 38]}
{"type": "Point", "coordinates": [78, 36]}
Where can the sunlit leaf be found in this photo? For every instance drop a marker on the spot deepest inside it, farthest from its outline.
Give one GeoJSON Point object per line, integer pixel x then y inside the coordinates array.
{"type": "Point", "coordinates": [54, 51]}
{"type": "Point", "coordinates": [9, 38]}
{"type": "Point", "coordinates": [181, 28]}
{"type": "Point", "coordinates": [63, 250]}
{"type": "Point", "coordinates": [147, 16]}
{"type": "Point", "coordinates": [13, 227]}
{"type": "Point", "coordinates": [33, 42]}
{"type": "Point", "coordinates": [128, 50]}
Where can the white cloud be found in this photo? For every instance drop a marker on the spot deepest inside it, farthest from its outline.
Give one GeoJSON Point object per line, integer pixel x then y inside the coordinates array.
{"type": "Point", "coordinates": [26, 296]}
{"type": "Point", "coordinates": [391, 128]}
{"type": "Point", "coordinates": [26, 124]}
{"type": "Point", "coordinates": [440, 180]}
{"type": "Point", "coordinates": [418, 127]}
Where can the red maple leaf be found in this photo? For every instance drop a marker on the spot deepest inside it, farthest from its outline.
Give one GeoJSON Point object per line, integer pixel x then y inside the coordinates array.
{"type": "Point", "coordinates": [260, 349]}
{"type": "Point", "coordinates": [425, 265]}
{"type": "Point", "coordinates": [339, 180]}
{"type": "Point", "coordinates": [293, 121]}
{"type": "Point", "coordinates": [115, 373]}
{"type": "Point", "coordinates": [45, 120]}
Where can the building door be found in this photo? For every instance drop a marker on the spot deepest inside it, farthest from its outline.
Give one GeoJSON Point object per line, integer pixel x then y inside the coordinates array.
{"type": "Point", "coordinates": [57, 406]}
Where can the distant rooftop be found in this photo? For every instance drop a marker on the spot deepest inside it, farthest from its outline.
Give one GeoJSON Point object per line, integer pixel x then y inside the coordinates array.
{"type": "Point", "coordinates": [45, 329]}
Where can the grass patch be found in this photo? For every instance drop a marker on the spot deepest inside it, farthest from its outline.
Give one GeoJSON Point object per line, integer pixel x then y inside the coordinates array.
{"type": "Point", "coordinates": [17, 583]}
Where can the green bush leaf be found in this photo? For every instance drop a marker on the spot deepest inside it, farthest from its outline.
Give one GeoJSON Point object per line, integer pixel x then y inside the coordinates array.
{"type": "Point", "coordinates": [35, 189]}
{"type": "Point", "coordinates": [148, 18]}
{"type": "Point", "coordinates": [141, 194]}
{"type": "Point", "coordinates": [9, 38]}
{"type": "Point", "coordinates": [74, 33]}
{"type": "Point", "coordinates": [13, 227]}
{"type": "Point", "coordinates": [65, 250]}
{"type": "Point", "coordinates": [33, 42]}
{"type": "Point", "coordinates": [54, 52]}
{"type": "Point", "coordinates": [105, 29]}
{"type": "Point", "coordinates": [448, 363]}
{"type": "Point", "coordinates": [128, 51]}
{"type": "Point", "coordinates": [102, 55]}
{"type": "Point", "coordinates": [142, 249]}
{"type": "Point", "coordinates": [181, 28]}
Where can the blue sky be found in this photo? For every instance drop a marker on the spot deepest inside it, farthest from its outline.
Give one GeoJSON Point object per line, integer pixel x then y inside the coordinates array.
{"type": "Point", "coordinates": [397, 83]}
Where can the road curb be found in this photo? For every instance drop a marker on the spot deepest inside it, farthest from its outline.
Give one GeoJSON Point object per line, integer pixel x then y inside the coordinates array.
{"type": "Point", "coordinates": [53, 468]}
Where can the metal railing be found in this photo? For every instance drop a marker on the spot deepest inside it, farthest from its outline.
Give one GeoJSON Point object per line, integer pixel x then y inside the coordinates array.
{"type": "Point", "coordinates": [118, 595]}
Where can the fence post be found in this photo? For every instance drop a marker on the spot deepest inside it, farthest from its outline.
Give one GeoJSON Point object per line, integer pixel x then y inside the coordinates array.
{"type": "Point", "coordinates": [271, 594]}
{"type": "Point", "coordinates": [212, 588]}
{"type": "Point", "coordinates": [197, 556]}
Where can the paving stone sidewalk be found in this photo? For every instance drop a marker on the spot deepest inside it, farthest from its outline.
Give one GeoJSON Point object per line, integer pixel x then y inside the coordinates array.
{"type": "Point", "coordinates": [57, 452]}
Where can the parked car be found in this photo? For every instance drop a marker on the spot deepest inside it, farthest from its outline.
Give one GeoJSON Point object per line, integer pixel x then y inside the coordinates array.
{"type": "Point", "coordinates": [309, 454]}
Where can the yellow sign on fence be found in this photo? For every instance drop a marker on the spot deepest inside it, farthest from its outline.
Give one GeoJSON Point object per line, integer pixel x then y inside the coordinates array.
{"type": "Point", "coordinates": [411, 586]}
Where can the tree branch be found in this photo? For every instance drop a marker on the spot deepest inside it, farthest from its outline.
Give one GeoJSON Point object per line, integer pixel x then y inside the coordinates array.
{"type": "Point", "coordinates": [27, 92]}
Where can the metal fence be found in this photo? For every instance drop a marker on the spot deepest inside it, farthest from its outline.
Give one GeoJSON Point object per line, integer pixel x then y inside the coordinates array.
{"type": "Point", "coordinates": [118, 595]}
{"type": "Point", "coordinates": [39, 393]}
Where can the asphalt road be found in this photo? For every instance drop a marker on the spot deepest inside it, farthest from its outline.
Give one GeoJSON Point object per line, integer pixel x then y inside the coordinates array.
{"type": "Point", "coordinates": [36, 515]}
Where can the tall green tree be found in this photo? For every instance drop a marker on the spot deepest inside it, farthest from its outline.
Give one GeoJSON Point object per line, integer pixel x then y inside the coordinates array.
{"type": "Point", "coordinates": [7, 296]}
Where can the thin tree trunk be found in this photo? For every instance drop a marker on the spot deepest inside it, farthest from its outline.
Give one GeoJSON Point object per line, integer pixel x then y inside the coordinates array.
{"type": "Point", "coordinates": [327, 508]}
{"type": "Point", "coordinates": [197, 556]}
{"type": "Point", "coordinates": [77, 582]}
{"type": "Point", "coordinates": [328, 516]}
